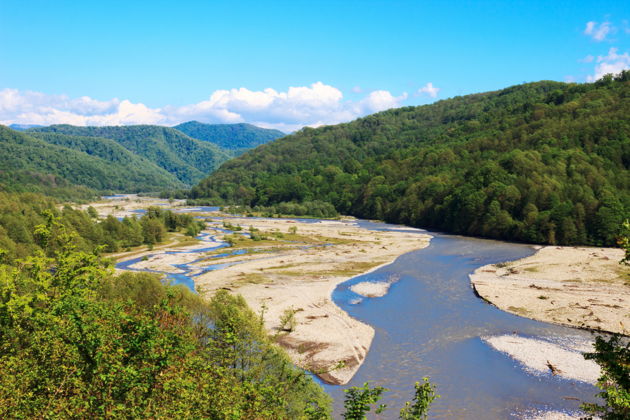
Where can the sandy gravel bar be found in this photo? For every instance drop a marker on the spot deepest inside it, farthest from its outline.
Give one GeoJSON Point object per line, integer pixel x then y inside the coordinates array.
{"type": "Point", "coordinates": [555, 415]}
{"type": "Point", "coordinates": [546, 357]}
{"type": "Point", "coordinates": [302, 279]}
{"type": "Point", "coordinates": [580, 287]}
{"type": "Point", "coordinates": [371, 289]}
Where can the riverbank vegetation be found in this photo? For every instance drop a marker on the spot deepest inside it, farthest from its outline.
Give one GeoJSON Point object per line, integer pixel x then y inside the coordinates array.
{"type": "Point", "coordinates": [21, 213]}
{"type": "Point", "coordinates": [542, 162]}
{"type": "Point", "coordinates": [314, 209]}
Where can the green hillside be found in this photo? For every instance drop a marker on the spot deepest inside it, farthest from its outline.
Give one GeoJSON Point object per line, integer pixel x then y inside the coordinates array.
{"type": "Point", "coordinates": [30, 181]}
{"type": "Point", "coordinates": [230, 136]}
{"type": "Point", "coordinates": [141, 168]}
{"type": "Point", "coordinates": [186, 158]}
{"type": "Point", "coordinates": [542, 162]}
{"type": "Point", "coordinates": [31, 164]}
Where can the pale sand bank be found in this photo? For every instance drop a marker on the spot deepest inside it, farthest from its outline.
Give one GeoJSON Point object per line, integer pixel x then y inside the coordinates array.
{"type": "Point", "coordinates": [580, 287]}
{"type": "Point", "coordinates": [371, 289]}
{"type": "Point", "coordinates": [564, 359]}
{"type": "Point", "coordinates": [554, 415]}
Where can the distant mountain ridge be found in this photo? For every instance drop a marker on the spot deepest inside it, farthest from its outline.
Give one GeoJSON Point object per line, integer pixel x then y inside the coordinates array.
{"type": "Point", "coordinates": [70, 161]}
{"type": "Point", "coordinates": [22, 127]}
{"type": "Point", "coordinates": [230, 136]}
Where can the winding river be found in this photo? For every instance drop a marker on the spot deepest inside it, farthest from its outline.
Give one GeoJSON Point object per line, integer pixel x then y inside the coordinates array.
{"type": "Point", "coordinates": [431, 323]}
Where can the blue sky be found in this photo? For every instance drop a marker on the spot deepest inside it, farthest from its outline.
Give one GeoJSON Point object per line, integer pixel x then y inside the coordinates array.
{"type": "Point", "coordinates": [129, 62]}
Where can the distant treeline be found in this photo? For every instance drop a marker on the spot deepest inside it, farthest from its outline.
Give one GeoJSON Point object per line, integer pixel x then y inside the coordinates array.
{"type": "Point", "coordinates": [316, 208]}
{"type": "Point", "coordinates": [542, 162]}
{"type": "Point", "coordinates": [22, 213]}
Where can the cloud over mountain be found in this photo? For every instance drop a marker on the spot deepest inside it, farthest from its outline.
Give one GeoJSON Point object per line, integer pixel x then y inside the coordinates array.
{"type": "Point", "coordinates": [314, 105]}
{"type": "Point", "coordinates": [612, 63]}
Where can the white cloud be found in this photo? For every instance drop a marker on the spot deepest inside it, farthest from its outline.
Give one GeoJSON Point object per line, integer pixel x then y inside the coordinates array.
{"type": "Point", "coordinates": [598, 32]}
{"type": "Point", "coordinates": [314, 105]}
{"type": "Point", "coordinates": [588, 59]}
{"type": "Point", "coordinates": [379, 100]}
{"type": "Point", "coordinates": [429, 89]}
{"type": "Point", "coordinates": [357, 89]}
{"type": "Point", "coordinates": [612, 63]}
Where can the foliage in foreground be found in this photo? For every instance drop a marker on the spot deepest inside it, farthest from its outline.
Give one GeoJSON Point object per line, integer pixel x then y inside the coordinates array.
{"type": "Point", "coordinates": [359, 401]}
{"type": "Point", "coordinates": [613, 356]}
{"type": "Point", "coordinates": [78, 342]}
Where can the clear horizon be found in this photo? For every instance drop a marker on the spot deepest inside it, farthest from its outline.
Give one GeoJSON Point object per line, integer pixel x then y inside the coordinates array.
{"type": "Point", "coordinates": [286, 65]}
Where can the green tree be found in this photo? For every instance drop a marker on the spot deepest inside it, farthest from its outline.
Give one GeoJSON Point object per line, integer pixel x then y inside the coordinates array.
{"type": "Point", "coordinates": [613, 356]}
{"type": "Point", "coordinates": [359, 401]}
{"type": "Point", "coordinates": [624, 242]}
{"type": "Point", "coordinates": [418, 409]}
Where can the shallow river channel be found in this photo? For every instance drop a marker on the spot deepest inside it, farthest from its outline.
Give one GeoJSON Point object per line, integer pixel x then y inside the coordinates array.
{"type": "Point", "coordinates": [431, 323]}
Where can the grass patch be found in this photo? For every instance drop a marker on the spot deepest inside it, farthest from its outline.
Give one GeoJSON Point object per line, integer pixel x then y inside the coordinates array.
{"type": "Point", "coordinates": [346, 270]}
{"type": "Point", "coordinates": [251, 278]}
{"type": "Point", "coordinates": [519, 310]}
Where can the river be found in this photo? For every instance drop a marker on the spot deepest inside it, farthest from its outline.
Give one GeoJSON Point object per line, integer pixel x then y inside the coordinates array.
{"type": "Point", "coordinates": [431, 323]}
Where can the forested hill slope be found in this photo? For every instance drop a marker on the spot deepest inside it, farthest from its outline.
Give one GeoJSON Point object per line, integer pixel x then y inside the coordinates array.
{"type": "Point", "coordinates": [32, 164]}
{"type": "Point", "coordinates": [542, 162]}
{"type": "Point", "coordinates": [230, 136]}
{"type": "Point", "coordinates": [187, 158]}
{"type": "Point", "coordinates": [110, 151]}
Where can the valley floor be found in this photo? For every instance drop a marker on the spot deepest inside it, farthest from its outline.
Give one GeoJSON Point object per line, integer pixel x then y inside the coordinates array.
{"type": "Point", "coordinates": [292, 267]}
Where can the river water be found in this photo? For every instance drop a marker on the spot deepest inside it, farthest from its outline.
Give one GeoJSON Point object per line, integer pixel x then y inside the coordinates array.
{"type": "Point", "coordinates": [431, 323]}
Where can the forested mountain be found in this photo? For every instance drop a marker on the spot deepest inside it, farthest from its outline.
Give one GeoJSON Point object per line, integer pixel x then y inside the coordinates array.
{"type": "Point", "coordinates": [542, 162]}
{"type": "Point", "coordinates": [26, 161]}
{"type": "Point", "coordinates": [110, 151]}
{"type": "Point", "coordinates": [186, 158]}
{"type": "Point", "coordinates": [230, 136]}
